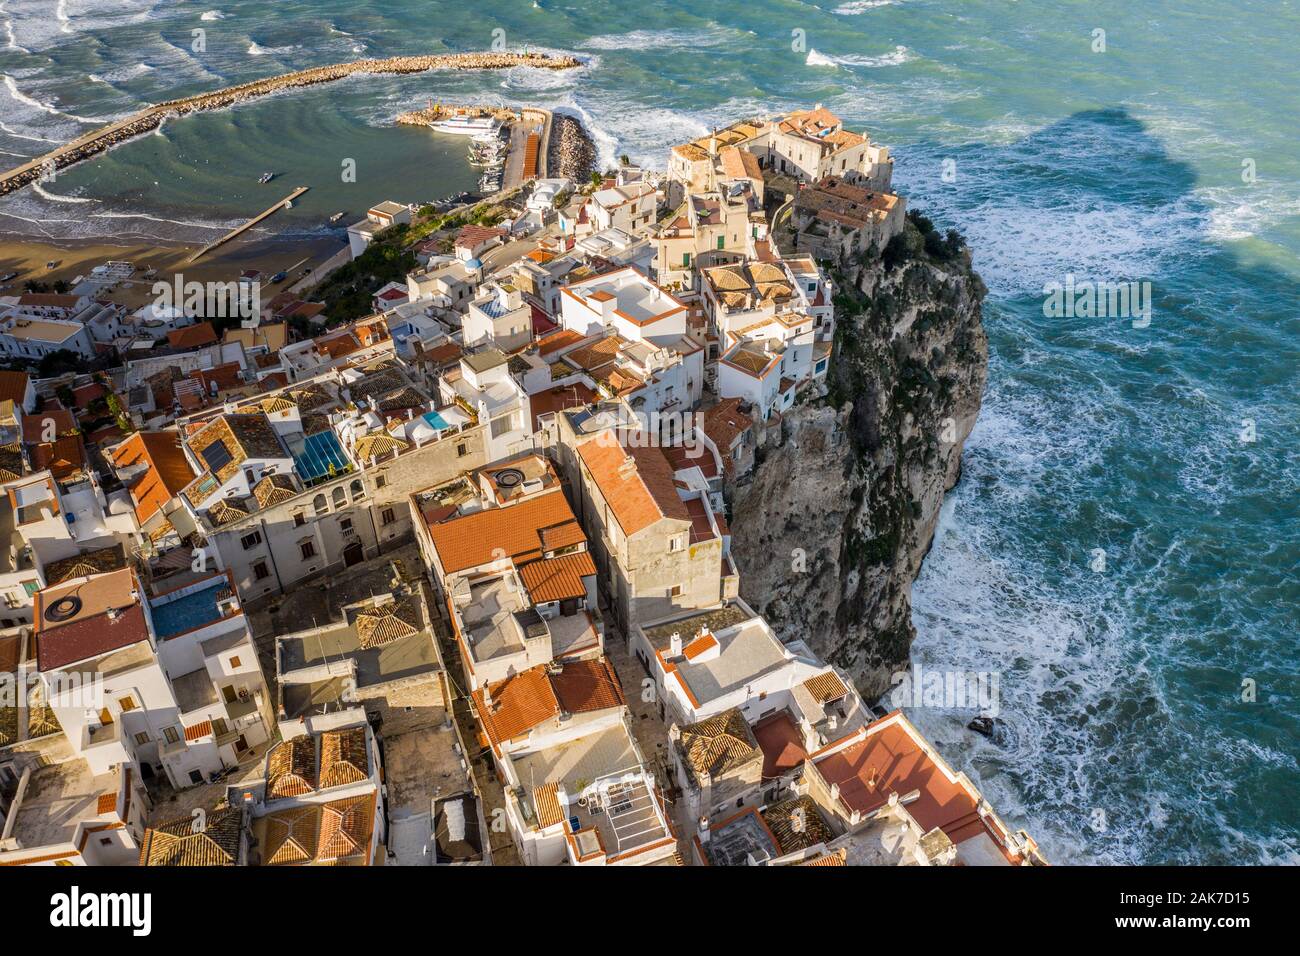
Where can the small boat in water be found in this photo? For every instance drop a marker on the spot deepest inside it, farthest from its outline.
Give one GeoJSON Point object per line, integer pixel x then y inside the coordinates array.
{"type": "Point", "coordinates": [337, 216]}
{"type": "Point", "coordinates": [266, 177]}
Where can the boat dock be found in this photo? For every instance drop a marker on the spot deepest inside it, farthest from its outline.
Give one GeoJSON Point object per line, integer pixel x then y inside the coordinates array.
{"type": "Point", "coordinates": [284, 203]}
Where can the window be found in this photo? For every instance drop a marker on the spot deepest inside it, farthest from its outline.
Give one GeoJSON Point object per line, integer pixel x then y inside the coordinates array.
{"type": "Point", "coordinates": [721, 240]}
{"type": "Point", "coordinates": [686, 260]}
{"type": "Point", "coordinates": [340, 497]}
{"type": "Point", "coordinates": [251, 540]}
{"type": "Point", "coordinates": [169, 733]}
{"type": "Point", "coordinates": [674, 544]}
{"type": "Point", "coordinates": [234, 663]}
{"type": "Point", "coordinates": [502, 425]}
{"type": "Point", "coordinates": [126, 704]}
{"type": "Point", "coordinates": [381, 481]}
{"type": "Point", "coordinates": [319, 505]}
{"type": "Point", "coordinates": [260, 571]}
{"type": "Point", "coordinates": [229, 693]}
{"type": "Point", "coordinates": [299, 520]}
{"type": "Point", "coordinates": [219, 727]}
{"type": "Point", "coordinates": [357, 489]}
{"type": "Point", "coordinates": [462, 449]}
{"type": "Point", "coordinates": [308, 550]}
{"type": "Point", "coordinates": [141, 739]}
{"type": "Point", "coordinates": [675, 591]}
{"type": "Point", "coordinates": [387, 516]}
{"type": "Point", "coordinates": [345, 525]}
{"type": "Point", "coordinates": [196, 777]}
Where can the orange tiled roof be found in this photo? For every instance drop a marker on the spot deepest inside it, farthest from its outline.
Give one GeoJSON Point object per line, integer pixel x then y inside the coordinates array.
{"type": "Point", "coordinates": [168, 471]}
{"type": "Point", "coordinates": [192, 336]}
{"type": "Point", "coordinates": [474, 539]}
{"type": "Point", "coordinates": [639, 496]}
{"type": "Point", "coordinates": [523, 701]}
{"type": "Point", "coordinates": [555, 579]}
{"type": "Point", "coordinates": [291, 768]}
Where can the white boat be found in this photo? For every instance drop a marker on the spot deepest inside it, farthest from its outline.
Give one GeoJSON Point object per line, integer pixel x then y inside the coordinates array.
{"type": "Point", "coordinates": [266, 177]}
{"type": "Point", "coordinates": [467, 125]}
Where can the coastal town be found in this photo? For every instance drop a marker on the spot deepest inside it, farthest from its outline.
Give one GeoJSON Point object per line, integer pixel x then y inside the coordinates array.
{"type": "Point", "coordinates": [425, 558]}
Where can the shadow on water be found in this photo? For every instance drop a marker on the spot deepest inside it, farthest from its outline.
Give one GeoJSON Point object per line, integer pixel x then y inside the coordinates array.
{"type": "Point", "coordinates": [1123, 688]}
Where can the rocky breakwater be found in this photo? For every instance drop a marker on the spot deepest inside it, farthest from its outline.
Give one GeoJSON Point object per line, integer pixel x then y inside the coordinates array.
{"type": "Point", "coordinates": [830, 532]}
{"type": "Point", "coordinates": [151, 117]}
{"type": "Point", "coordinates": [572, 153]}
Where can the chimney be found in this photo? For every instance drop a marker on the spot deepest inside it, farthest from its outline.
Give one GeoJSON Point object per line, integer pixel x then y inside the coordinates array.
{"type": "Point", "coordinates": [487, 699]}
{"type": "Point", "coordinates": [675, 645]}
{"type": "Point", "coordinates": [703, 831]}
{"type": "Point", "coordinates": [835, 791]}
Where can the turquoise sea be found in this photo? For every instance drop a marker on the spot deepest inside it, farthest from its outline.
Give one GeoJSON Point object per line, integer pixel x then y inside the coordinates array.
{"type": "Point", "coordinates": [1169, 157]}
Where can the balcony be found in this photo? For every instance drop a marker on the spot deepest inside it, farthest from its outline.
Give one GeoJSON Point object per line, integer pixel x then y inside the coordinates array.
{"type": "Point", "coordinates": [101, 735]}
{"type": "Point", "coordinates": [238, 709]}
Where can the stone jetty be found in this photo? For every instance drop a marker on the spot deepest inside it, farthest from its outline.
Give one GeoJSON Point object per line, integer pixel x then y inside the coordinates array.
{"type": "Point", "coordinates": [151, 117]}
{"type": "Point", "coordinates": [571, 152]}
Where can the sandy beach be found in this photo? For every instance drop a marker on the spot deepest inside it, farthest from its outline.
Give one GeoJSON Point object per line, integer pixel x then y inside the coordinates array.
{"type": "Point", "coordinates": [73, 259]}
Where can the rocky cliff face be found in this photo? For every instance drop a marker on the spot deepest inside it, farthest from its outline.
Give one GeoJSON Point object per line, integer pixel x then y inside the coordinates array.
{"type": "Point", "coordinates": [830, 531]}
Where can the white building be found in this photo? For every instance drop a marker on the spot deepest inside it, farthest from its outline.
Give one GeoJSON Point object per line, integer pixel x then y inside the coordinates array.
{"type": "Point", "coordinates": [378, 218]}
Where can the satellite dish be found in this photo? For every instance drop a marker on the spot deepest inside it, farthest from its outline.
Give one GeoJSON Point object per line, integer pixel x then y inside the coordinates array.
{"type": "Point", "coordinates": [65, 608]}
{"type": "Point", "coordinates": [509, 477]}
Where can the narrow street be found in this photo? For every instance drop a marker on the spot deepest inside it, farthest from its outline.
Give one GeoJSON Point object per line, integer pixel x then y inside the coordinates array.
{"type": "Point", "coordinates": [504, 852]}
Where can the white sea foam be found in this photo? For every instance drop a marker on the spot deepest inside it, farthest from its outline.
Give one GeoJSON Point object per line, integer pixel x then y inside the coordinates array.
{"type": "Point", "coordinates": [213, 15]}
{"type": "Point", "coordinates": [55, 197]}
{"type": "Point", "coordinates": [27, 100]}
{"type": "Point", "coordinates": [859, 7]}
{"type": "Point", "coordinates": [658, 39]}
{"type": "Point", "coordinates": [895, 57]}
{"type": "Point", "coordinates": [256, 49]}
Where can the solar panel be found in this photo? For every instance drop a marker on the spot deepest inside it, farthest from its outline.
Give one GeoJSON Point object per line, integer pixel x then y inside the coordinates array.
{"type": "Point", "coordinates": [216, 456]}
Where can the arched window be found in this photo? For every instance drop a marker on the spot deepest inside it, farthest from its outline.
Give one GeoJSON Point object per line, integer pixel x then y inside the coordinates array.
{"type": "Point", "coordinates": [357, 489]}
{"type": "Point", "coordinates": [340, 497]}
{"type": "Point", "coordinates": [318, 503]}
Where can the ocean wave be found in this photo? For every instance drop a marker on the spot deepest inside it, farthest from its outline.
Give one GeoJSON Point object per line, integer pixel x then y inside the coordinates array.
{"type": "Point", "coordinates": [861, 6]}
{"type": "Point", "coordinates": [657, 39]}
{"type": "Point", "coordinates": [28, 100]}
{"type": "Point", "coordinates": [895, 57]}
{"type": "Point", "coordinates": [256, 49]}
{"type": "Point", "coordinates": [54, 197]}
{"type": "Point", "coordinates": [213, 15]}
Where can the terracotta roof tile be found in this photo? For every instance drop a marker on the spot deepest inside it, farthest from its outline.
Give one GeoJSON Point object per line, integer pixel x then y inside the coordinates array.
{"type": "Point", "coordinates": [555, 579]}
{"type": "Point", "coordinates": [637, 483]}
{"type": "Point", "coordinates": [825, 688]}
{"type": "Point", "coordinates": [291, 768]}
{"type": "Point", "coordinates": [382, 624]}
{"type": "Point", "coordinates": [470, 540]}
{"type": "Point", "coordinates": [343, 757]}
{"type": "Point", "coordinates": [523, 701]}
{"type": "Point", "coordinates": [547, 804]}
{"type": "Point", "coordinates": [174, 843]}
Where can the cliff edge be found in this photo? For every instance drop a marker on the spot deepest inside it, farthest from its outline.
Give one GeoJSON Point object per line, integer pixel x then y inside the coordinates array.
{"type": "Point", "coordinates": [830, 530]}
